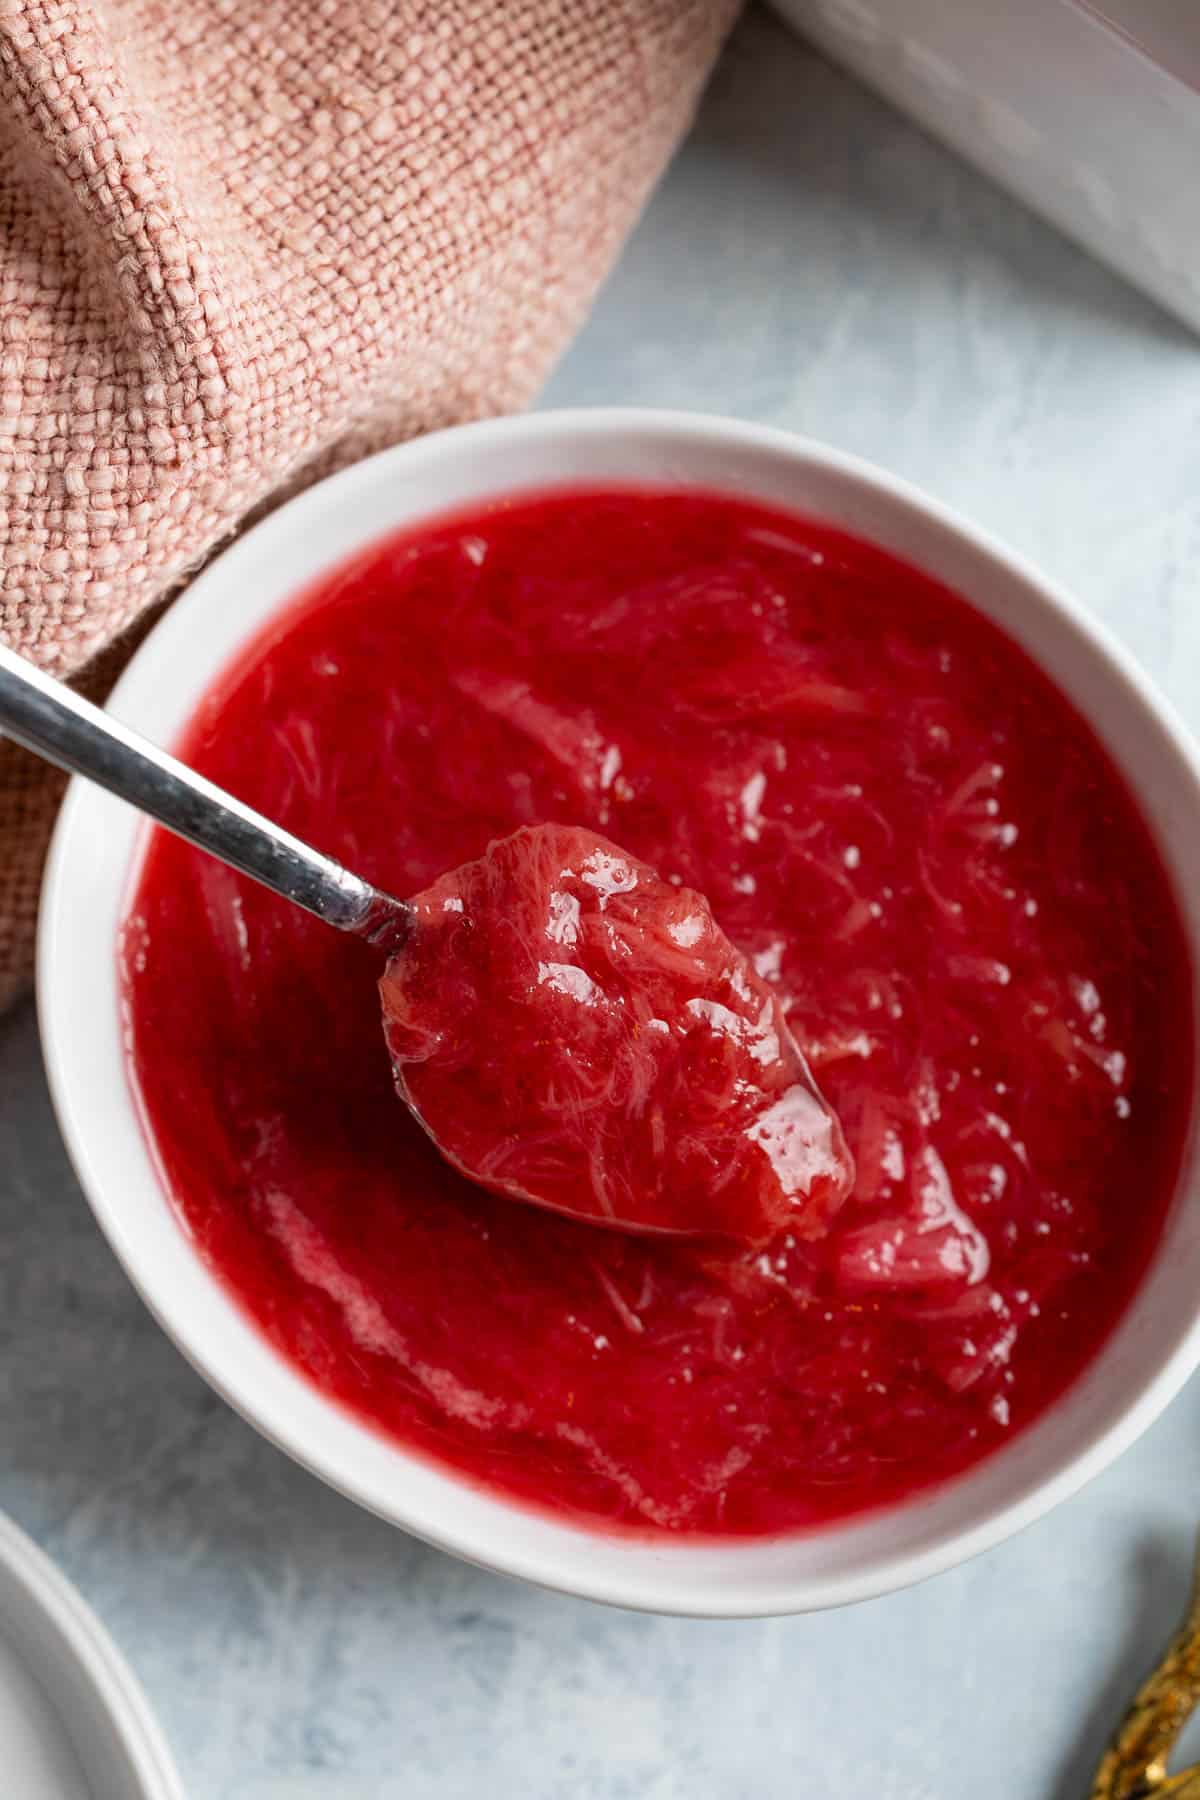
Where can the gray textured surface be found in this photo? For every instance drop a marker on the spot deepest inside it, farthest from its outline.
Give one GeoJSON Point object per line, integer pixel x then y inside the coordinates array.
{"type": "Point", "coordinates": [815, 262]}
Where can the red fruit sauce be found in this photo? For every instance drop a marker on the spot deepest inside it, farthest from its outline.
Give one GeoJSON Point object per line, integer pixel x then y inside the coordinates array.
{"type": "Point", "coordinates": [914, 838]}
{"type": "Point", "coordinates": [573, 1030]}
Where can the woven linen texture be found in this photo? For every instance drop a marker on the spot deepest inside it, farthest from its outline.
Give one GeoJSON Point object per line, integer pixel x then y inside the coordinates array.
{"type": "Point", "coordinates": [243, 242]}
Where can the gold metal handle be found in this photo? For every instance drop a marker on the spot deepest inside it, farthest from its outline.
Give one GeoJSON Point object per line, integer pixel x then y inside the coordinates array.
{"type": "Point", "coordinates": [1134, 1767]}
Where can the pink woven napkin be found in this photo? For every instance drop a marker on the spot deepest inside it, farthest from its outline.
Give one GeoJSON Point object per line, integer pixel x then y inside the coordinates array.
{"type": "Point", "coordinates": [245, 241]}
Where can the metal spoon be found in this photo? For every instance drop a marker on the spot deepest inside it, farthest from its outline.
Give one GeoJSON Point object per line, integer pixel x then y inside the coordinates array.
{"type": "Point", "coordinates": [53, 721]}
{"type": "Point", "coordinates": [807, 1159]}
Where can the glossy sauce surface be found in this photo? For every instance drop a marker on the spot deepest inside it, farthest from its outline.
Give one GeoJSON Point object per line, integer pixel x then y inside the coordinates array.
{"type": "Point", "coordinates": [576, 1032]}
{"type": "Point", "coordinates": [925, 854]}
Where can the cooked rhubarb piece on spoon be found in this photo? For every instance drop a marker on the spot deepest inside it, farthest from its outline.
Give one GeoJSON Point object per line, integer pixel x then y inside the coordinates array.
{"type": "Point", "coordinates": [575, 1031]}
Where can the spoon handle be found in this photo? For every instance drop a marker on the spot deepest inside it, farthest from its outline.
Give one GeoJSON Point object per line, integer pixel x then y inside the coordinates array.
{"type": "Point", "coordinates": [56, 723]}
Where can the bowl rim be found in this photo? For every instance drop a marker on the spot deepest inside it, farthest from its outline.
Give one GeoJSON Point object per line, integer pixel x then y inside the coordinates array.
{"type": "Point", "coordinates": [637, 1589]}
{"type": "Point", "coordinates": [39, 1601]}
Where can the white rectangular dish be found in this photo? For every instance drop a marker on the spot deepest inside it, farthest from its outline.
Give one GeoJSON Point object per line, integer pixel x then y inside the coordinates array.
{"type": "Point", "coordinates": [1090, 114]}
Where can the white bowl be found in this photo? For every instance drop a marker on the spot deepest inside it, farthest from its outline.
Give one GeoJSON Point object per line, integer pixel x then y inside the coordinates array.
{"type": "Point", "coordinates": [74, 1722]}
{"type": "Point", "coordinates": [1145, 1362]}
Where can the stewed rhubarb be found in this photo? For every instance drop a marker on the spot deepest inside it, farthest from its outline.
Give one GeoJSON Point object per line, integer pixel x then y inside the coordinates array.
{"type": "Point", "coordinates": [923, 880]}
{"type": "Point", "coordinates": [574, 1031]}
